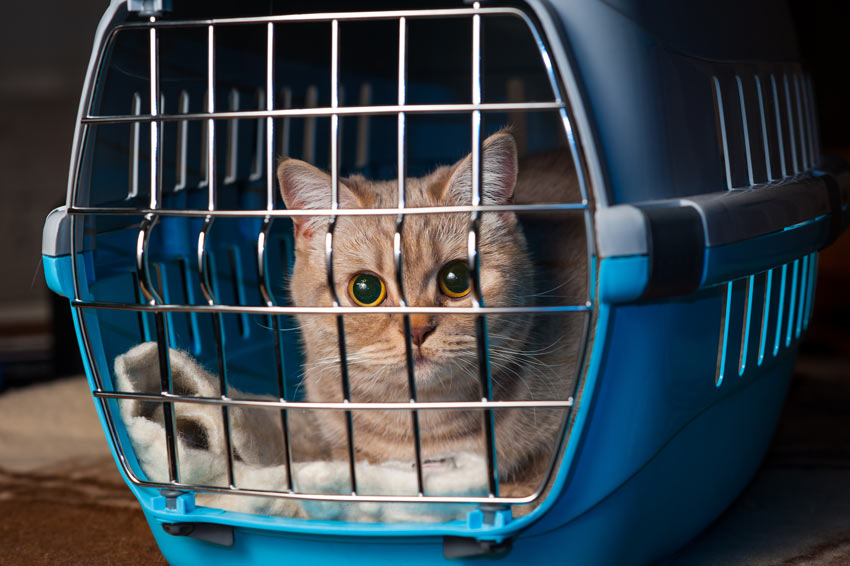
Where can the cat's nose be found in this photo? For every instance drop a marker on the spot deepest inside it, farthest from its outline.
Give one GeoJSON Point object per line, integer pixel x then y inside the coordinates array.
{"type": "Point", "coordinates": [421, 326]}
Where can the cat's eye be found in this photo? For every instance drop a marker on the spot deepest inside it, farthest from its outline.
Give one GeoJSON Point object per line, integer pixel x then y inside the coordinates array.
{"type": "Point", "coordinates": [367, 290]}
{"type": "Point", "coordinates": [454, 280]}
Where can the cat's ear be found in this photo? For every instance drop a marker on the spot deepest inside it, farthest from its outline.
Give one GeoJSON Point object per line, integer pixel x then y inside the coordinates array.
{"type": "Point", "coordinates": [303, 186]}
{"type": "Point", "coordinates": [498, 173]}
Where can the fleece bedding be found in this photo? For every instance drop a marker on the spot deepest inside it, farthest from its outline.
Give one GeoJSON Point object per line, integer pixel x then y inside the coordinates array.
{"type": "Point", "coordinates": [257, 450]}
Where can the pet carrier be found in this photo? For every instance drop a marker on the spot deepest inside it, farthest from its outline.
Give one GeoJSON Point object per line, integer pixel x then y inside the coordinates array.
{"type": "Point", "coordinates": [701, 197]}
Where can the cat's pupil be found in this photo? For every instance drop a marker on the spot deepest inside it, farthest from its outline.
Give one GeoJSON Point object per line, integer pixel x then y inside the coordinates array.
{"type": "Point", "coordinates": [367, 289]}
{"type": "Point", "coordinates": [454, 279]}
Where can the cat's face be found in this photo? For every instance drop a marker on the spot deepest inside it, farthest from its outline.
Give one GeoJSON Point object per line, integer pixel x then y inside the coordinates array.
{"type": "Point", "coordinates": [434, 252]}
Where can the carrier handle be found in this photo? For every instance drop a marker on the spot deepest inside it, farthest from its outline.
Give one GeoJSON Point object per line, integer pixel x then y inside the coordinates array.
{"type": "Point", "coordinates": [673, 247]}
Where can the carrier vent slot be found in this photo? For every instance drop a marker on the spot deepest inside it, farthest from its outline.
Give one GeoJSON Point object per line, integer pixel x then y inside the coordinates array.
{"type": "Point", "coordinates": [745, 334]}
{"type": "Point", "coordinates": [746, 130]}
{"type": "Point", "coordinates": [311, 100]}
{"type": "Point", "coordinates": [813, 118]}
{"type": "Point", "coordinates": [205, 149]}
{"type": "Point", "coordinates": [777, 113]}
{"type": "Point", "coordinates": [804, 293]}
{"type": "Point", "coordinates": [135, 132]}
{"type": "Point", "coordinates": [286, 102]}
{"type": "Point", "coordinates": [782, 297]}
{"type": "Point", "coordinates": [813, 278]}
{"type": "Point", "coordinates": [804, 159]}
{"type": "Point", "coordinates": [182, 142]}
{"type": "Point", "coordinates": [259, 140]}
{"type": "Point", "coordinates": [792, 137]}
{"type": "Point", "coordinates": [792, 303]}
{"type": "Point", "coordinates": [361, 159]}
{"type": "Point", "coordinates": [807, 107]}
{"type": "Point", "coordinates": [721, 127]}
{"type": "Point", "coordinates": [232, 137]}
{"type": "Point", "coordinates": [765, 313]}
{"type": "Point", "coordinates": [725, 313]}
{"type": "Point", "coordinates": [769, 152]}
{"type": "Point", "coordinates": [766, 129]}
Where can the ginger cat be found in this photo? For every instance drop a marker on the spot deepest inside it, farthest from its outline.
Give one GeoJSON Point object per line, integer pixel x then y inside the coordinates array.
{"type": "Point", "coordinates": [532, 356]}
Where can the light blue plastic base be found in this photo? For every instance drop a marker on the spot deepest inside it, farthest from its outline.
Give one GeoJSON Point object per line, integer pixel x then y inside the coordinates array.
{"type": "Point", "coordinates": [667, 502]}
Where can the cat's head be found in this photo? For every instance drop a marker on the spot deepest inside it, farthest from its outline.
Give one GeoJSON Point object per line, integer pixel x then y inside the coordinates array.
{"type": "Point", "coordinates": [434, 252]}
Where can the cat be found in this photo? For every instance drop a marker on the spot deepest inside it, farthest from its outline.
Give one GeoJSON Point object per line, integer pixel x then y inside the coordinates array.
{"type": "Point", "coordinates": [532, 356]}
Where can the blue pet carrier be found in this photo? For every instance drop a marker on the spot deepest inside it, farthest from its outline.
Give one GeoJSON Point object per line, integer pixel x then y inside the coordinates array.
{"type": "Point", "coordinates": [705, 198]}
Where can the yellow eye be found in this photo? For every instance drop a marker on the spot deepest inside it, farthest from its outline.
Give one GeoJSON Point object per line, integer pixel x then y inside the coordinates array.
{"type": "Point", "coordinates": [454, 280]}
{"type": "Point", "coordinates": [367, 290]}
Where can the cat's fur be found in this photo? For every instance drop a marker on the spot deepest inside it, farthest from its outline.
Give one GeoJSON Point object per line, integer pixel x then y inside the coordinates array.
{"type": "Point", "coordinates": [532, 356]}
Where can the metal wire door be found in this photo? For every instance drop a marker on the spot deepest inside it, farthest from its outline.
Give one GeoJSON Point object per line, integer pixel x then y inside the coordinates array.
{"type": "Point", "coordinates": [153, 301]}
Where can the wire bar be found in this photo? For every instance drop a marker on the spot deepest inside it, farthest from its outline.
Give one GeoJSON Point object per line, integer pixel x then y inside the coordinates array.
{"type": "Point", "coordinates": [142, 270]}
{"type": "Point", "coordinates": [459, 209]}
{"type": "Point", "coordinates": [471, 500]}
{"type": "Point", "coordinates": [339, 16]}
{"type": "Point", "coordinates": [269, 96]}
{"type": "Point", "coordinates": [262, 274]}
{"type": "Point", "coordinates": [473, 262]}
{"type": "Point", "coordinates": [154, 124]}
{"type": "Point", "coordinates": [340, 323]}
{"type": "Point", "coordinates": [206, 282]}
{"type": "Point", "coordinates": [397, 250]}
{"type": "Point", "coordinates": [326, 111]}
{"type": "Point", "coordinates": [262, 243]}
{"type": "Point", "coordinates": [247, 309]}
{"type": "Point", "coordinates": [339, 405]}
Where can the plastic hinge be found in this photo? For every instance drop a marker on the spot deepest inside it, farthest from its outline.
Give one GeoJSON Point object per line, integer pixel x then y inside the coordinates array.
{"type": "Point", "coordinates": [489, 516]}
{"type": "Point", "coordinates": [485, 517]}
{"type": "Point", "coordinates": [174, 500]}
{"type": "Point", "coordinates": [148, 7]}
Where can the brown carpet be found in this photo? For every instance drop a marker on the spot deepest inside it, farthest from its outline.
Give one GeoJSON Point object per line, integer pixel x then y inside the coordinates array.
{"type": "Point", "coordinates": [62, 500]}
{"type": "Point", "coordinates": [53, 520]}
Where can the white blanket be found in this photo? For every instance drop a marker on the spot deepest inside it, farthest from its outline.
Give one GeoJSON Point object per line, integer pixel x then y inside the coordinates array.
{"type": "Point", "coordinates": [257, 442]}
